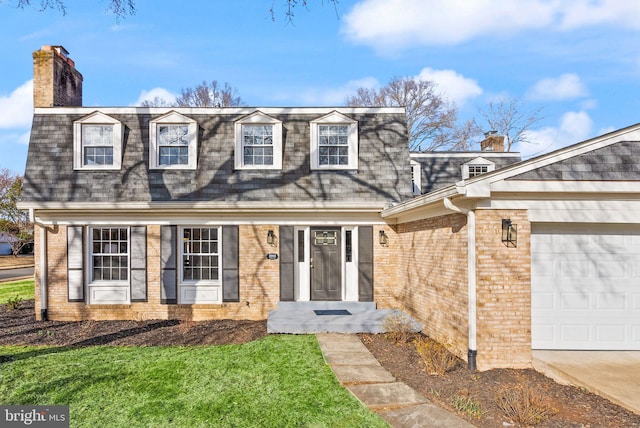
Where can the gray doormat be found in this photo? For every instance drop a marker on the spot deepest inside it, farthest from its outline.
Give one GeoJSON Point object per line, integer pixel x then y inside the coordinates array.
{"type": "Point", "coordinates": [332, 312]}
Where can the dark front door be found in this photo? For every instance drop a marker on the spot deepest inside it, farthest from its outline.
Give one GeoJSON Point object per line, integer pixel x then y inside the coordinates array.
{"type": "Point", "coordinates": [326, 271]}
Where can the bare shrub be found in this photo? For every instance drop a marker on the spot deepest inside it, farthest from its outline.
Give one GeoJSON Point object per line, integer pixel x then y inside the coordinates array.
{"type": "Point", "coordinates": [524, 404]}
{"type": "Point", "coordinates": [399, 327]}
{"type": "Point", "coordinates": [435, 356]}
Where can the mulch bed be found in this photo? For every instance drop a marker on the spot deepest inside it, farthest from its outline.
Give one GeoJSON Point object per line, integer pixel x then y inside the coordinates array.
{"type": "Point", "coordinates": [574, 407]}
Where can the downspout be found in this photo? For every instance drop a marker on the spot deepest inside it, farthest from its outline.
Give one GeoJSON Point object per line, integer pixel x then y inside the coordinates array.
{"type": "Point", "coordinates": [471, 280]}
{"type": "Point", "coordinates": [43, 265]}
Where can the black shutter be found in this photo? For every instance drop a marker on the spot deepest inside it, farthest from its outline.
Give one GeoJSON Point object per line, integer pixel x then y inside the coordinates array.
{"type": "Point", "coordinates": [365, 263]}
{"type": "Point", "coordinates": [139, 264]}
{"type": "Point", "coordinates": [75, 263]}
{"type": "Point", "coordinates": [230, 256]}
{"type": "Point", "coordinates": [286, 264]}
{"type": "Point", "coordinates": [168, 270]}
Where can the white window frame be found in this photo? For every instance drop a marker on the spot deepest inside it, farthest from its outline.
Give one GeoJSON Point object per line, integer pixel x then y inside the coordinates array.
{"type": "Point", "coordinates": [105, 292]}
{"type": "Point", "coordinates": [416, 177]}
{"type": "Point", "coordinates": [173, 118]}
{"type": "Point", "coordinates": [97, 118]}
{"type": "Point", "coordinates": [476, 162]}
{"type": "Point", "coordinates": [258, 118]}
{"type": "Point", "coordinates": [334, 118]}
{"type": "Point", "coordinates": [199, 291]}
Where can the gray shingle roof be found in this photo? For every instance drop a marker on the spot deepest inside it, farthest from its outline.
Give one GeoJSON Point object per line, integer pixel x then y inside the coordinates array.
{"type": "Point", "coordinates": [383, 173]}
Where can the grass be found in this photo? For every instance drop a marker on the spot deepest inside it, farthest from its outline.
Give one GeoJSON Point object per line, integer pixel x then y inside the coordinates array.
{"type": "Point", "coordinates": [278, 381]}
{"type": "Point", "coordinates": [22, 289]}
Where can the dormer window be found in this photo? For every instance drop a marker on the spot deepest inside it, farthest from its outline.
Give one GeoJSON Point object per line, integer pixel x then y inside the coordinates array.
{"type": "Point", "coordinates": [173, 142]}
{"type": "Point", "coordinates": [97, 142]}
{"type": "Point", "coordinates": [258, 142]}
{"type": "Point", "coordinates": [334, 142]}
{"type": "Point", "coordinates": [477, 166]}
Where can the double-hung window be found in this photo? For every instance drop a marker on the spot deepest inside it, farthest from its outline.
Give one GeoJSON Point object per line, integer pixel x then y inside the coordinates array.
{"type": "Point", "coordinates": [334, 142]}
{"type": "Point", "coordinates": [110, 254]}
{"type": "Point", "coordinates": [200, 265]}
{"type": "Point", "coordinates": [97, 142]}
{"type": "Point", "coordinates": [258, 142]}
{"type": "Point", "coordinates": [173, 142]}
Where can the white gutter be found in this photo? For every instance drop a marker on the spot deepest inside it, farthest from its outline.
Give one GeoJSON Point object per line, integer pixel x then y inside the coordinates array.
{"type": "Point", "coordinates": [471, 280]}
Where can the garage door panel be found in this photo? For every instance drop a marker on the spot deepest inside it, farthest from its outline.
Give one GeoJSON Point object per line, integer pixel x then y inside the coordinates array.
{"type": "Point", "coordinates": [585, 286]}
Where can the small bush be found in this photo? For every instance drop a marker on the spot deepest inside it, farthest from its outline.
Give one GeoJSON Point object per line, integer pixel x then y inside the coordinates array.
{"type": "Point", "coordinates": [13, 303]}
{"type": "Point", "coordinates": [435, 356]}
{"type": "Point", "coordinates": [467, 405]}
{"type": "Point", "coordinates": [399, 327]}
{"type": "Point", "coordinates": [524, 404]}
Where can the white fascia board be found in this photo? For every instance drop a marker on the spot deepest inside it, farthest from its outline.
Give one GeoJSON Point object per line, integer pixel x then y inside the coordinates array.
{"type": "Point", "coordinates": [420, 202]}
{"type": "Point", "coordinates": [218, 110]}
{"type": "Point", "coordinates": [428, 155]}
{"type": "Point", "coordinates": [564, 210]}
{"type": "Point", "coordinates": [526, 186]}
{"type": "Point", "coordinates": [206, 206]}
{"type": "Point", "coordinates": [192, 218]}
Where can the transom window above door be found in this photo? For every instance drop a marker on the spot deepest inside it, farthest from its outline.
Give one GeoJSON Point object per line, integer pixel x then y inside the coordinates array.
{"type": "Point", "coordinates": [258, 140]}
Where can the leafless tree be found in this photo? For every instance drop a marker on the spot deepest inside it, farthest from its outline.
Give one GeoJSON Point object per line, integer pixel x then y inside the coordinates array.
{"type": "Point", "coordinates": [120, 8]}
{"type": "Point", "coordinates": [510, 118]}
{"type": "Point", "coordinates": [13, 220]}
{"type": "Point", "coordinates": [290, 6]}
{"type": "Point", "coordinates": [204, 95]}
{"type": "Point", "coordinates": [431, 119]}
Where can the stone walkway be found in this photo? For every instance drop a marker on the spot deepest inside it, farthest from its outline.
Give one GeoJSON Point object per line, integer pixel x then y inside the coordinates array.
{"type": "Point", "coordinates": [395, 402]}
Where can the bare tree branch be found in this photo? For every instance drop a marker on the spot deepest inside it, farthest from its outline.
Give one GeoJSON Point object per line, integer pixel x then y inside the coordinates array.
{"type": "Point", "coordinates": [431, 120]}
{"type": "Point", "coordinates": [511, 119]}
{"type": "Point", "coordinates": [120, 8]}
{"type": "Point", "coordinates": [204, 95]}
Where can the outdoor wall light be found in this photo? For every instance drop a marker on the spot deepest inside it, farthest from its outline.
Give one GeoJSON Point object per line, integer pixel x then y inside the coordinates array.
{"type": "Point", "coordinates": [509, 233]}
{"type": "Point", "coordinates": [271, 237]}
{"type": "Point", "coordinates": [384, 239]}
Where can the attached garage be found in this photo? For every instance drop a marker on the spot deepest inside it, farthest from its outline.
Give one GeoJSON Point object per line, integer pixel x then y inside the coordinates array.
{"type": "Point", "coordinates": [585, 285]}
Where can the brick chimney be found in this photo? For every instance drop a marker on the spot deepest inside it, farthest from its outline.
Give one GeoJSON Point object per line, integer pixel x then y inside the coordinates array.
{"type": "Point", "coordinates": [492, 142]}
{"type": "Point", "coordinates": [56, 82]}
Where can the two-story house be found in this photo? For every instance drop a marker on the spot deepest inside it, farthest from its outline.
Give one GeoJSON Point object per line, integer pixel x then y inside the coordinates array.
{"type": "Point", "coordinates": [204, 213]}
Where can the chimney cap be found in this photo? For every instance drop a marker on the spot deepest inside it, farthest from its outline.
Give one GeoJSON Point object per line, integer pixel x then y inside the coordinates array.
{"type": "Point", "coordinates": [490, 133]}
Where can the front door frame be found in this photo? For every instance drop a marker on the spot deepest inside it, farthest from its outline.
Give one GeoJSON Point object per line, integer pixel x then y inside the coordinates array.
{"type": "Point", "coordinates": [326, 263]}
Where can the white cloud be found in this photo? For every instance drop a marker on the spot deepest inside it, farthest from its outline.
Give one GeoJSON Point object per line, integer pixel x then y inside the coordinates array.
{"type": "Point", "coordinates": [150, 95]}
{"type": "Point", "coordinates": [564, 87]}
{"type": "Point", "coordinates": [395, 24]}
{"type": "Point", "coordinates": [455, 87]}
{"type": "Point", "coordinates": [573, 128]}
{"type": "Point", "coordinates": [335, 96]}
{"type": "Point", "coordinates": [16, 110]}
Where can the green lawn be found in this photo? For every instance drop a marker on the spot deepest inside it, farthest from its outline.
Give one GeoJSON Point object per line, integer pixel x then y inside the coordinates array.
{"type": "Point", "coordinates": [23, 289]}
{"type": "Point", "coordinates": [278, 381]}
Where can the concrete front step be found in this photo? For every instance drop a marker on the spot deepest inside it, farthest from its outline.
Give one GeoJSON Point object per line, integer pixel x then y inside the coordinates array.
{"type": "Point", "coordinates": [300, 318]}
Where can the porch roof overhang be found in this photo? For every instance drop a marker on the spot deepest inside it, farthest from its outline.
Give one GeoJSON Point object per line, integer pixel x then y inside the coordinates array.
{"type": "Point", "coordinates": [253, 212]}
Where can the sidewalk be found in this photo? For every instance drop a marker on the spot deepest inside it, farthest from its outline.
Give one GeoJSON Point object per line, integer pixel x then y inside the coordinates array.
{"type": "Point", "coordinates": [395, 402]}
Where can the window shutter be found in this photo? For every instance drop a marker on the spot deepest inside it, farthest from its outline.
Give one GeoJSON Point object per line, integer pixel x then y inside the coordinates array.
{"type": "Point", "coordinates": [75, 263]}
{"type": "Point", "coordinates": [286, 264]}
{"type": "Point", "coordinates": [365, 263]}
{"type": "Point", "coordinates": [139, 264]}
{"type": "Point", "coordinates": [230, 256]}
{"type": "Point", "coordinates": [168, 271]}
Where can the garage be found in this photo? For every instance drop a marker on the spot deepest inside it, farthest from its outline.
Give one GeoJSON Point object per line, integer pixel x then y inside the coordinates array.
{"type": "Point", "coordinates": [585, 285]}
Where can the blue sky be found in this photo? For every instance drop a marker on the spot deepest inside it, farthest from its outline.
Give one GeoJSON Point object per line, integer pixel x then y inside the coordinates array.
{"type": "Point", "coordinates": [577, 59]}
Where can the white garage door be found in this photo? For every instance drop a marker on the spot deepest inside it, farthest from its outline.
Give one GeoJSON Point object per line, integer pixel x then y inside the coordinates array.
{"type": "Point", "coordinates": [585, 284]}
